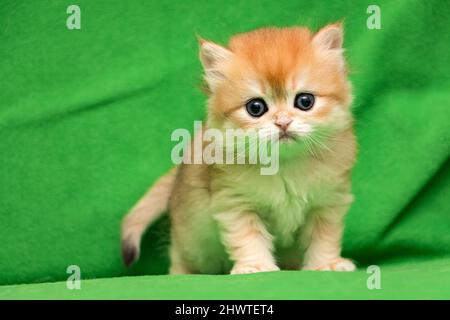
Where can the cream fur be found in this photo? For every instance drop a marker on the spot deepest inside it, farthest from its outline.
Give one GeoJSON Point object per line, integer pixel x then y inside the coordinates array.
{"type": "Point", "coordinates": [232, 219]}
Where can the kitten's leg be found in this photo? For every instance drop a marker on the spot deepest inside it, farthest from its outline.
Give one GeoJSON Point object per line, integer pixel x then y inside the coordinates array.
{"type": "Point", "coordinates": [177, 265]}
{"type": "Point", "coordinates": [324, 246]}
{"type": "Point", "coordinates": [247, 242]}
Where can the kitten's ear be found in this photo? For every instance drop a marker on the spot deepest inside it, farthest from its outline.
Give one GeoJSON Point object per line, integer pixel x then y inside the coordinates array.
{"type": "Point", "coordinates": [330, 37]}
{"type": "Point", "coordinates": [213, 56]}
{"type": "Point", "coordinates": [329, 41]}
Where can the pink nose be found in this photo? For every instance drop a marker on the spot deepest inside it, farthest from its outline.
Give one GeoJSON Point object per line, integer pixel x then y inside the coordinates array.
{"type": "Point", "coordinates": [283, 123]}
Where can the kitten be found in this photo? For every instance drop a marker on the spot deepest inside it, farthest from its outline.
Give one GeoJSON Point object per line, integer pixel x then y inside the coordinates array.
{"type": "Point", "coordinates": [232, 219]}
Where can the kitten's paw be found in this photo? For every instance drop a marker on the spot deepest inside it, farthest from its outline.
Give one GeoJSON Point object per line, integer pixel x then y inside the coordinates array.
{"type": "Point", "coordinates": [253, 268]}
{"type": "Point", "coordinates": [339, 264]}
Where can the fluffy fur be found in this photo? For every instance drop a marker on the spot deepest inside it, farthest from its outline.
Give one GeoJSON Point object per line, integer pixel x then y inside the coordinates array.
{"type": "Point", "coordinates": [232, 219]}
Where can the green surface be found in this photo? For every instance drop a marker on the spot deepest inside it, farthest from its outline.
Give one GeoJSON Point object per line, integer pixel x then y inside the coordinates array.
{"type": "Point", "coordinates": [408, 281]}
{"type": "Point", "coordinates": [85, 123]}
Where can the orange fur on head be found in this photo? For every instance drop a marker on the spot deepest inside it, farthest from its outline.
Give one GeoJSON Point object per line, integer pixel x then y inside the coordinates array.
{"type": "Point", "coordinates": [275, 64]}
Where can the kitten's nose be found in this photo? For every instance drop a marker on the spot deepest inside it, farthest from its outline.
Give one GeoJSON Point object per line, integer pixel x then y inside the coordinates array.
{"type": "Point", "coordinates": [283, 122]}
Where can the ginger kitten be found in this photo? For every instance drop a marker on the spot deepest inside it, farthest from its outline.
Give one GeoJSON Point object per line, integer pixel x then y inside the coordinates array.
{"type": "Point", "coordinates": [232, 219]}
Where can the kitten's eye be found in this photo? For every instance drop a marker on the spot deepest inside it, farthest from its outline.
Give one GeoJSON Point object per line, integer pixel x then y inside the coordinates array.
{"type": "Point", "coordinates": [256, 107]}
{"type": "Point", "coordinates": [304, 101]}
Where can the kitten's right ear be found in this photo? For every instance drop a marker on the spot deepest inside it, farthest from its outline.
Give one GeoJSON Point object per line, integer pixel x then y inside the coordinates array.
{"type": "Point", "coordinates": [213, 57]}
{"type": "Point", "coordinates": [329, 40]}
{"type": "Point", "coordinates": [330, 37]}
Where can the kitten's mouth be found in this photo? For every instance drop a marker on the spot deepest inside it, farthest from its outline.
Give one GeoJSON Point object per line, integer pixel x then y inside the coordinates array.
{"type": "Point", "coordinates": [285, 137]}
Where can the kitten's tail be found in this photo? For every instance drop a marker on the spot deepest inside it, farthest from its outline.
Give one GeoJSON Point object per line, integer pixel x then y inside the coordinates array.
{"type": "Point", "coordinates": [151, 206]}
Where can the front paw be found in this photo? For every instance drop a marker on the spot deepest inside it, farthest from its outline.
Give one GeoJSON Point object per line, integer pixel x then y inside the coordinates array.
{"type": "Point", "coordinates": [339, 264]}
{"type": "Point", "coordinates": [246, 268]}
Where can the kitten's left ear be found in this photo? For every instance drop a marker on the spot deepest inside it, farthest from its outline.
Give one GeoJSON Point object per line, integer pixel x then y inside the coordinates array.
{"type": "Point", "coordinates": [211, 54]}
{"type": "Point", "coordinates": [330, 37]}
{"type": "Point", "coordinates": [213, 57]}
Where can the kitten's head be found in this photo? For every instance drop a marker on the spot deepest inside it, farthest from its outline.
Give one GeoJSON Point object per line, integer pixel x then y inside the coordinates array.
{"type": "Point", "coordinates": [284, 80]}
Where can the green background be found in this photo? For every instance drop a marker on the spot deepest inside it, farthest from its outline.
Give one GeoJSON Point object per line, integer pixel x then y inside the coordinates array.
{"type": "Point", "coordinates": [85, 123]}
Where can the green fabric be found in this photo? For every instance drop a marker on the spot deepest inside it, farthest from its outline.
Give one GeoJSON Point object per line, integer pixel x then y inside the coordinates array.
{"type": "Point", "coordinates": [85, 123]}
{"type": "Point", "coordinates": [402, 281]}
